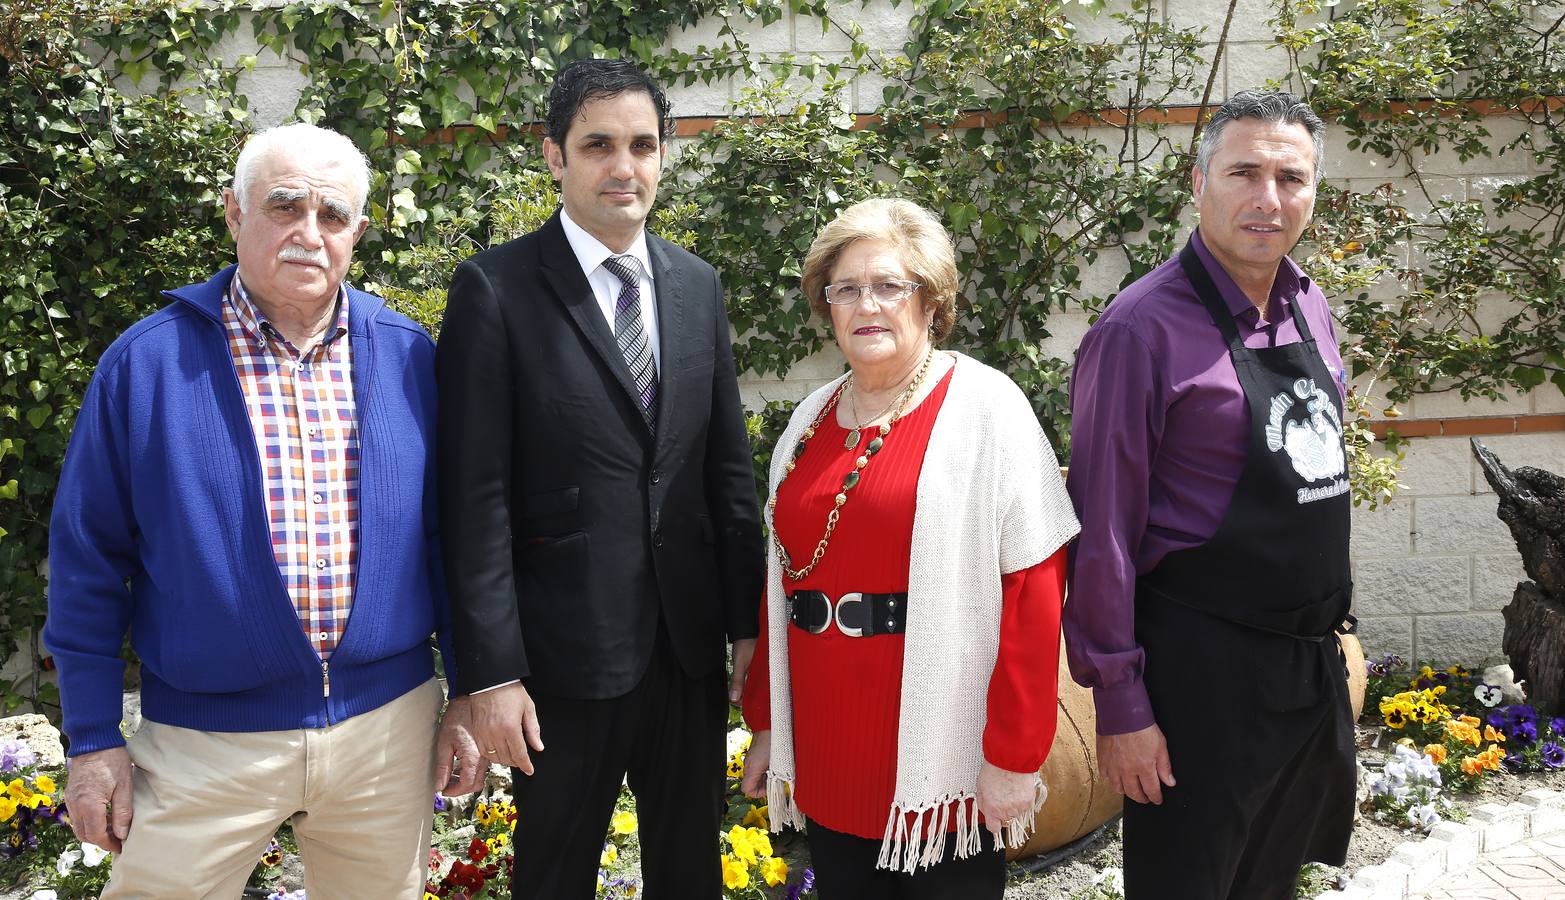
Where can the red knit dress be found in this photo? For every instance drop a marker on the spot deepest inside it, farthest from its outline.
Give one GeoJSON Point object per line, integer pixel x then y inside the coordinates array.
{"type": "Point", "coordinates": [847, 691]}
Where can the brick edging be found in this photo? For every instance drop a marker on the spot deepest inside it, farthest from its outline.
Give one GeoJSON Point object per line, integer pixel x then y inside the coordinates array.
{"type": "Point", "coordinates": [1469, 426]}
{"type": "Point", "coordinates": [1416, 866]}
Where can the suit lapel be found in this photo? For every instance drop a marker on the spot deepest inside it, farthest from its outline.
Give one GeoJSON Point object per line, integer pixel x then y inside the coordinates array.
{"type": "Point", "coordinates": [570, 285]}
{"type": "Point", "coordinates": [668, 284]}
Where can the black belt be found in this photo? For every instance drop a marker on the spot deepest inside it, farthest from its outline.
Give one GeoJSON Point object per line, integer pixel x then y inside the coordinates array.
{"type": "Point", "coordinates": [855, 614]}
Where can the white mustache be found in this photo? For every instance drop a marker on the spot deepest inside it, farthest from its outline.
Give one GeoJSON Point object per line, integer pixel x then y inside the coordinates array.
{"type": "Point", "coordinates": [292, 253]}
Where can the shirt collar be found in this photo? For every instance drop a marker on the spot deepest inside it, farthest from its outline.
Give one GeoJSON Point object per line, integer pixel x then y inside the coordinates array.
{"type": "Point", "coordinates": [1289, 283]}
{"type": "Point", "coordinates": [256, 325]}
{"type": "Point", "coordinates": [590, 252]}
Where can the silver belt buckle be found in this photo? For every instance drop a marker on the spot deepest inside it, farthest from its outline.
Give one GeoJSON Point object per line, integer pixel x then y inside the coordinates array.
{"type": "Point", "coordinates": [849, 630]}
{"type": "Point", "coordinates": [826, 623]}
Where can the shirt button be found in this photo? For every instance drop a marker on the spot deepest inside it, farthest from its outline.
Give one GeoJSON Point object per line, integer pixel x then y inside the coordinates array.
{"type": "Point", "coordinates": [317, 497]}
{"type": "Point", "coordinates": [656, 476]}
{"type": "Point", "coordinates": [657, 539]}
{"type": "Point", "coordinates": [313, 431]}
{"type": "Point", "coordinates": [325, 636]}
{"type": "Point", "coordinates": [320, 563]}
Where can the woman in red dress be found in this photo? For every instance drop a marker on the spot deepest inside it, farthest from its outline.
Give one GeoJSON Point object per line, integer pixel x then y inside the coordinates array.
{"type": "Point", "coordinates": [903, 696]}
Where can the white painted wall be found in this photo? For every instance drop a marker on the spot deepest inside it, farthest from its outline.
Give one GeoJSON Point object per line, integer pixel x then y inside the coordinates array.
{"type": "Point", "coordinates": [1434, 567]}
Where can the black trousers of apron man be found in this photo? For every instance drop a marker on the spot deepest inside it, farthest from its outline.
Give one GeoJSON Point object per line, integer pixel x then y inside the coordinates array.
{"type": "Point", "coordinates": [667, 738]}
{"type": "Point", "coordinates": [1243, 668]}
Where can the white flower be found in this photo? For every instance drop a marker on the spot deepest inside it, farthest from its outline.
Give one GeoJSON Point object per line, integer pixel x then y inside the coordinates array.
{"type": "Point", "coordinates": [66, 862]}
{"type": "Point", "coordinates": [738, 741]}
{"type": "Point", "coordinates": [92, 854]}
{"type": "Point", "coordinates": [44, 895]}
{"type": "Point", "coordinates": [1423, 816]}
{"type": "Point", "coordinates": [1488, 694]}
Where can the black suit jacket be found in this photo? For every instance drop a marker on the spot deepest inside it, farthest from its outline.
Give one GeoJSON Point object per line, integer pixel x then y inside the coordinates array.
{"type": "Point", "coordinates": [569, 527]}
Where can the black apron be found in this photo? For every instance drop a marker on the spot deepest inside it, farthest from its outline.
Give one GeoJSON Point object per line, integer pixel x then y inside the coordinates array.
{"type": "Point", "coordinates": [1243, 668]}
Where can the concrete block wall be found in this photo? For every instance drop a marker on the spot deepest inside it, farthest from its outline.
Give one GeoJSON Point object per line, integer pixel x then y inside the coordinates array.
{"type": "Point", "coordinates": [1434, 567]}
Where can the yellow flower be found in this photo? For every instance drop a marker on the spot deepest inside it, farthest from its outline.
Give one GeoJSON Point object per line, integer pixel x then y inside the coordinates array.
{"type": "Point", "coordinates": [735, 766]}
{"type": "Point", "coordinates": [774, 870]}
{"type": "Point", "coordinates": [1395, 718]}
{"type": "Point", "coordinates": [735, 873]}
{"type": "Point", "coordinates": [7, 808]}
{"type": "Point", "coordinates": [429, 896]}
{"type": "Point", "coordinates": [18, 789]}
{"type": "Point", "coordinates": [44, 783]}
{"type": "Point", "coordinates": [739, 840]}
{"type": "Point", "coordinates": [623, 822]}
{"type": "Point", "coordinates": [1436, 753]}
{"type": "Point", "coordinates": [760, 841]}
{"type": "Point", "coordinates": [609, 855]}
{"type": "Point", "coordinates": [756, 816]}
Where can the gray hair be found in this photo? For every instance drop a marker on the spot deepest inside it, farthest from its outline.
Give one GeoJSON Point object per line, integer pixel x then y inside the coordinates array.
{"type": "Point", "coordinates": [322, 143]}
{"type": "Point", "coordinates": [1279, 107]}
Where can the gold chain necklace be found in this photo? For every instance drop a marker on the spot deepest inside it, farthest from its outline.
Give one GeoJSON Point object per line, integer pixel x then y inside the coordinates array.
{"type": "Point", "coordinates": [847, 482]}
{"type": "Point", "coordinates": [853, 410]}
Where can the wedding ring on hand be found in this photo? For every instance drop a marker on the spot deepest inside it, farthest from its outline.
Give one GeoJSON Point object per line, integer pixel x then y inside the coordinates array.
{"type": "Point", "coordinates": [491, 751]}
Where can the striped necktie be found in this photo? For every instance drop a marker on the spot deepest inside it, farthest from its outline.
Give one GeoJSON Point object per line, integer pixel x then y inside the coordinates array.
{"type": "Point", "coordinates": [632, 334]}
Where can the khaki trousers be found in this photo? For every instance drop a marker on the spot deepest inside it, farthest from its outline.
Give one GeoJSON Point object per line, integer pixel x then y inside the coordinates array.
{"type": "Point", "coordinates": [360, 794]}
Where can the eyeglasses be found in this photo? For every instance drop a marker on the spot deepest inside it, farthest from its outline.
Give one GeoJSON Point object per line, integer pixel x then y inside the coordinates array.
{"type": "Point", "coordinates": [885, 293]}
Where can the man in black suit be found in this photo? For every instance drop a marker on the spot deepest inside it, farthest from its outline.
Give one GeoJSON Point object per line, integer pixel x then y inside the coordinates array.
{"type": "Point", "coordinates": [598, 510]}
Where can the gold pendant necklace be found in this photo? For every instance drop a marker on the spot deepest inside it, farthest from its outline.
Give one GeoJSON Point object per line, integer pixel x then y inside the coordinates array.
{"type": "Point", "coordinates": [853, 410]}
{"type": "Point", "coordinates": [853, 477]}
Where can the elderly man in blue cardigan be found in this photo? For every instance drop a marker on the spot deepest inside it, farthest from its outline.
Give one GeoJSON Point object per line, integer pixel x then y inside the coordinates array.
{"type": "Point", "coordinates": [247, 493]}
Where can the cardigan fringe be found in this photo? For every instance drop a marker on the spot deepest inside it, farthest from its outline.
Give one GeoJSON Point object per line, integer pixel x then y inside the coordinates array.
{"type": "Point", "coordinates": [915, 837]}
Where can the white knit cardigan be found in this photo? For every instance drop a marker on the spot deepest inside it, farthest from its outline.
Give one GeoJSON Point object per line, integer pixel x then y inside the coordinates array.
{"type": "Point", "coordinates": [989, 501]}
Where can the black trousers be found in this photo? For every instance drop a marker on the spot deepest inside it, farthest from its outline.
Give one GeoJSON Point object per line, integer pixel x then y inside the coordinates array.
{"type": "Point", "coordinates": [845, 870]}
{"type": "Point", "coordinates": [1266, 776]}
{"type": "Point", "coordinates": [668, 736]}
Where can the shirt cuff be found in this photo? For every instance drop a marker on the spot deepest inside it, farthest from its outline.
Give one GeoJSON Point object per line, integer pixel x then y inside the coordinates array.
{"type": "Point", "coordinates": [495, 687]}
{"type": "Point", "coordinates": [1123, 708]}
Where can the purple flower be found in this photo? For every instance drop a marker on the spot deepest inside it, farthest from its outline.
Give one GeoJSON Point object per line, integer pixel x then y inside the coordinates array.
{"type": "Point", "coordinates": [1523, 712]}
{"type": "Point", "coordinates": [1514, 762]}
{"type": "Point", "coordinates": [440, 803]}
{"type": "Point", "coordinates": [1523, 732]}
{"type": "Point", "coordinates": [16, 755]}
{"type": "Point", "coordinates": [1557, 725]}
{"type": "Point", "coordinates": [805, 885]}
{"type": "Point", "coordinates": [1553, 755]}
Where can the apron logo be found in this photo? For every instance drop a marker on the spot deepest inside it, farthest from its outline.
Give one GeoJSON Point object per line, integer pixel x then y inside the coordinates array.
{"type": "Point", "coordinates": [1312, 438]}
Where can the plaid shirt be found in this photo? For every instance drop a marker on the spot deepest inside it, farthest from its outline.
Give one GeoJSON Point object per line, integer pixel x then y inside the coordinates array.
{"type": "Point", "coordinates": [305, 421]}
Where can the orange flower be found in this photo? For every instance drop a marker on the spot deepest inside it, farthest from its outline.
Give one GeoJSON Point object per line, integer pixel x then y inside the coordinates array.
{"type": "Point", "coordinates": [1471, 766]}
{"type": "Point", "coordinates": [1469, 720]}
{"type": "Point", "coordinates": [1489, 734]}
{"type": "Point", "coordinates": [1436, 753]}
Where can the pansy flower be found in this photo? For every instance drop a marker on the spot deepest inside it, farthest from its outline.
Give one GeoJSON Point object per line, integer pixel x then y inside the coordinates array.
{"type": "Point", "coordinates": [1488, 694]}
{"type": "Point", "coordinates": [1552, 754]}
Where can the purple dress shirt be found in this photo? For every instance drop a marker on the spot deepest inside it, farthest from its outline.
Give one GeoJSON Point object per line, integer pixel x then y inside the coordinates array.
{"type": "Point", "coordinates": [1159, 436]}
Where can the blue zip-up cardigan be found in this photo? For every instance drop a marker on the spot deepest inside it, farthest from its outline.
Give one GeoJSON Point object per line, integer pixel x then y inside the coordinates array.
{"type": "Point", "coordinates": [159, 527]}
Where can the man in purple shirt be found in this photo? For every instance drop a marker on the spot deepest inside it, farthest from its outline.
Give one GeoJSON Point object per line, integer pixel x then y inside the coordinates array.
{"type": "Point", "coordinates": [1209, 475]}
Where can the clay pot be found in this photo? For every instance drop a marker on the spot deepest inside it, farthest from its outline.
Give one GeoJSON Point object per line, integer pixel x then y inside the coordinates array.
{"type": "Point", "coordinates": [1079, 799]}
{"type": "Point", "coordinates": [1358, 677]}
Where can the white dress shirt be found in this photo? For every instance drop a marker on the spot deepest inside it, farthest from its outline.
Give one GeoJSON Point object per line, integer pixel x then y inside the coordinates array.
{"type": "Point", "coordinates": [606, 286]}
